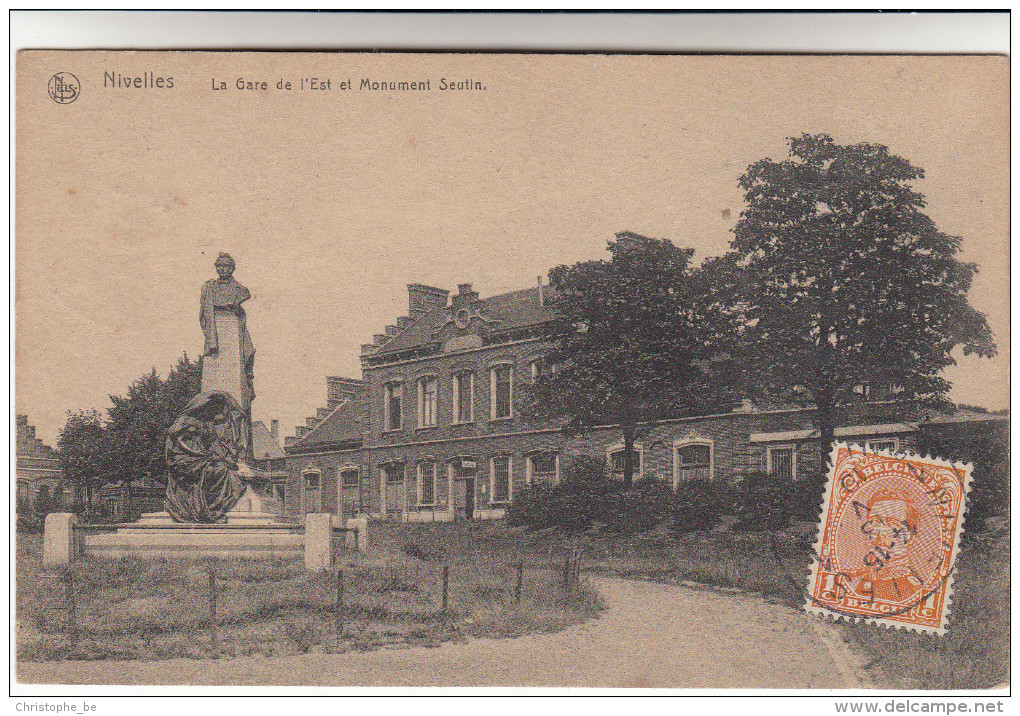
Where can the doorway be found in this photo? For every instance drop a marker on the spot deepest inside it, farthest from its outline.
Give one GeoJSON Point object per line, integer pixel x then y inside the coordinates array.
{"type": "Point", "coordinates": [469, 498]}
{"type": "Point", "coordinates": [463, 484]}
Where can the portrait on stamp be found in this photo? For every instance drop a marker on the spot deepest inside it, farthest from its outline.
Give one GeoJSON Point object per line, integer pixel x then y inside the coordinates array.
{"type": "Point", "coordinates": [889, 535]}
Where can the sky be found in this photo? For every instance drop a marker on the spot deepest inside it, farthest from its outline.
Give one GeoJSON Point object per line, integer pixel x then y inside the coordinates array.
{"type": "Point", "coordinates": [332, 201]}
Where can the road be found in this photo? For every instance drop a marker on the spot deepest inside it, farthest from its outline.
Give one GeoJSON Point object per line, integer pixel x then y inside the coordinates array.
{"type": "Point", "coordinates": [651, 635]}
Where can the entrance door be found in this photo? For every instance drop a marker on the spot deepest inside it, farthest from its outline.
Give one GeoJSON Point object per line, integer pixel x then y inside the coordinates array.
{"type": "Point", "coordinates": [464, 489]}
{"type": "Point", "coordinates": [469, 498]}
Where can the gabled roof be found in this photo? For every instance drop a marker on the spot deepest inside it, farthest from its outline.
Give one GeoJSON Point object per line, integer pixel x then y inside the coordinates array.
{"type": "Point", "coordinates": [507, 311]}
{"type": "Point", "coordinates": [263, 445]}
{"type": "Point", "coordinates": [342, 425]}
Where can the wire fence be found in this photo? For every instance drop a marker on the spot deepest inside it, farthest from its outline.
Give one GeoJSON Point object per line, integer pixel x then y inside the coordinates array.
{"type": "Point", "coordinates": [215, 604]}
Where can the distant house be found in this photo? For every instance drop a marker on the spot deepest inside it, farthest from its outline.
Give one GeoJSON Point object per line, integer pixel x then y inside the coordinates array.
{"type": "Point", "coordinates": [268, 456]}
{"type": "Point", "coordinates": [434, 432]}
{"type": "Point", "coordinates": [40, 479]}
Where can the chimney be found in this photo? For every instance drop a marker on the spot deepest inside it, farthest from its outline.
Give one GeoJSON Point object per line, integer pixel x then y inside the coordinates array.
{"type": "Point", "coordinates": [465, 296]}
{"type": "Point", "coordinates": [421, 299]}
{"type": "Point", "coordinates": [274, 429]}
{"type": "Point", "coordinates": [541, 297]}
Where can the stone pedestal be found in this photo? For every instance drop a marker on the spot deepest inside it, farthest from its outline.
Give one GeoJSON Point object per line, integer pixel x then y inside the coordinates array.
{"type": "Point", "coordinates": [318, 541]}
{"type": "Point", "coordinates": [225, 370]}
{"type": "Point", "coordinates": [58, 539]}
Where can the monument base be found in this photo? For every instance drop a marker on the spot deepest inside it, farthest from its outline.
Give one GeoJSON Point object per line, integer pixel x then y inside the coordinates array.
{"type": "Point", "coordinates": [250, 531]}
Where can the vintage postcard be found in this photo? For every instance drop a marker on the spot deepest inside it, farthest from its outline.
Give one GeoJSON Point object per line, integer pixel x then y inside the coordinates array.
{"type": "Point", "coordinates": [512, 370]}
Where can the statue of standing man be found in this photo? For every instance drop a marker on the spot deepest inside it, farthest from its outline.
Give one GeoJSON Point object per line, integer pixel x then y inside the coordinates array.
{"type": "Point", "coordinates": [209, 445]}
{"type": "Point", "coordinates": [226, 294]}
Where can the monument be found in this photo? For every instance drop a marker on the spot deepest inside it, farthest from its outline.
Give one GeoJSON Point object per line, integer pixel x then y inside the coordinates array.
{"type": "Point", "coordinates": [217, 505]}
{"type": "Point", "coordinates": [209, 479]}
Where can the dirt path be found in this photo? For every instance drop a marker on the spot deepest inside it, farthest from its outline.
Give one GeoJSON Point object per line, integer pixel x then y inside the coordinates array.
{"type": "Point", "coordinates": [652, 635]}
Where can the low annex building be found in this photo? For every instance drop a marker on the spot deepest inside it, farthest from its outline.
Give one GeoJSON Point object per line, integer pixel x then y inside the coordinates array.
{"type": "Point", "coordinates": [40, 479]}
{"type": "Point", "coordinates": [433, 430]}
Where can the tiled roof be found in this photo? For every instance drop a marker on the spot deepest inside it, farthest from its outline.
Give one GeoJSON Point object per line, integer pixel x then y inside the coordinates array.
{"type": "Point", "coordinates": [967, 416]}
{"type": "Point", "coordinates": [343, 424]}
{"type": "Point", "coordinates": [509, 311]}
{"type": "Point", "coordinates": [263, 445]}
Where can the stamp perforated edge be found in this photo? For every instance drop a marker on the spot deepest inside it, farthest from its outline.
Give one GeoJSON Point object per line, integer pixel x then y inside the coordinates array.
{"type": "Point", "coordinates": [811, 608]}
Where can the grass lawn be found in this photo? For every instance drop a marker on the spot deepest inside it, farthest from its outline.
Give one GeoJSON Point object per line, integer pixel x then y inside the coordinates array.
{"type": "Point", "coordinates": [973, 654]}
{"type": "Point", "coordinates": [159, 608]}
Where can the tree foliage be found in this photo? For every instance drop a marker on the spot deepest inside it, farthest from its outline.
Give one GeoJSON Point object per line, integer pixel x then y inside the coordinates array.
{"type": "Point", "coordinates": [84, 453]}
{"type": "Point", "coordinates": [632, 341]}
{"type": "Point", "coordinates": [848, 281]}
{"type": "Point", "coordinates": [128, 443]}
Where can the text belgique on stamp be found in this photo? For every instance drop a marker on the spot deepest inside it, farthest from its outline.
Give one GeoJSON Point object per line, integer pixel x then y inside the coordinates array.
{"type": "Point", "coordinates": [888, 539]}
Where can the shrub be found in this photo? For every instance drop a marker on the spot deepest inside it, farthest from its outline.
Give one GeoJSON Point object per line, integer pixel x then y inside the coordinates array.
{"type": "Point", "coordinates": [533, 507]}
{"type": "Point", "coordinates": [637, 508]}
{"type": "Point", "coordinates": [805, 497]}
{"type": "Point", "coordinates": [581, 497]}
{"type": "Point", "coordinates": [698, 506]}
{"type": "Point", "coordinates": [988, 449]}
{"type": "Point", "coordinates": [765, 502]}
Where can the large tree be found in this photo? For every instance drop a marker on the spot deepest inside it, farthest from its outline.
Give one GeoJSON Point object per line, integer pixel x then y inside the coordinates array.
{"type": "Point", "coordinates": [633, 342]}
{"type": "Point", "coordinates": [847, 281]}
{"type": "Point", "coordinates": [84, 453]}
{"type": "Point", "coordinates": [129, 443]}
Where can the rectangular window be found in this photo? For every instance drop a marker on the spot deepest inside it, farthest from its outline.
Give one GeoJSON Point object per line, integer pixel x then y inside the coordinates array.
{"type": "Point", "coordinates": [427, 483]}
{"type": "Point", "coordinates": [311, 495]}
{"type": "Point", "coordinates": [617, 464]}
{"type": "Point", "coordinates": [394, 475]}
{"type": "Point", "coordinates": [501, 478]}
{"type": "Point", "coordinates": [781, 463]}
{"type": "Point", "coordinates": [694, 462]}
{"type": "Point", "coordinates": [428, 389]}
{"type": "Point", "coordinates": [281, 492]}
{"type": "Point", "coordinates": [542, 468]}
{"type": "Point", "coordinates": [350, 497]}
{"type": "Point", "coordinates": [891, 444]}
{"type": "Point", "coordinates": [393, 393]}
{"type": "Point", "coordinates": [502, 387]}
{"type": "Point", "coordinates": [463, 396]}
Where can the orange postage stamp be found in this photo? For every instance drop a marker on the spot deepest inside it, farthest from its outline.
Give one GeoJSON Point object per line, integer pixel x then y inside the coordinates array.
{"type": "Point", "coordinates": [888, 540]}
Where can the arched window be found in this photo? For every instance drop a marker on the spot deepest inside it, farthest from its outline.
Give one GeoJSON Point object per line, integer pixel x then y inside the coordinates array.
{"type": "Point", "coordinates": [501, 383]}
{"type": "Point", "coordinates": [350, 490]}
{"type": "Point", "coordinates": [543, 468]}
{"type": "Point", "coordinates": [616, 457]}
{"type": "Point", "coordinates": [311, 490]}
{"type": "Point", "coordinates": [392, 487]}
{"type": "Point", "coordinates": [428, 401]}
{"type": "Point", "coordinates": [500, 483]}
{"type": "Point", "coordinates": [427, 483]}
{"type": "Point", "coordinates": [693, 460]}
{"type": "Point", "coordinates": [463, 397]}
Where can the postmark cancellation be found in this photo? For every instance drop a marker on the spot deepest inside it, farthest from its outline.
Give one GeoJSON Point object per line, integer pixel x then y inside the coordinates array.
{"type": "Point", "coordinates": [888, 538]}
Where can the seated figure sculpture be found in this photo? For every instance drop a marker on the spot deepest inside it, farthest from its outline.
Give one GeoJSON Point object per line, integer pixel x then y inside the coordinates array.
{"type": "Point", "coordinates": [205, 448]}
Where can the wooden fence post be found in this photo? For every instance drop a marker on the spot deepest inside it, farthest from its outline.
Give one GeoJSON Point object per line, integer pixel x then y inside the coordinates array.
{"type": "Point", "coordinates": [446, 586]}
{"type": "Point", "coordinates": [339, 605]}
{"type": "Point", "coordinates": [212, 611]}
{"type": "Point", "coordinates": [72, 617]}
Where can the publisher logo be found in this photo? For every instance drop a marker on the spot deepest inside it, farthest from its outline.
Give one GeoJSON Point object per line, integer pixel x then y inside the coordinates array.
{"type": "Point", "coordinates": [64, 88]}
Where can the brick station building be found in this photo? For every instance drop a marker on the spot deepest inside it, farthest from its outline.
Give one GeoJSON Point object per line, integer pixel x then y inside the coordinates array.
{"type": "Point", "coordinates": [433, 430]}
